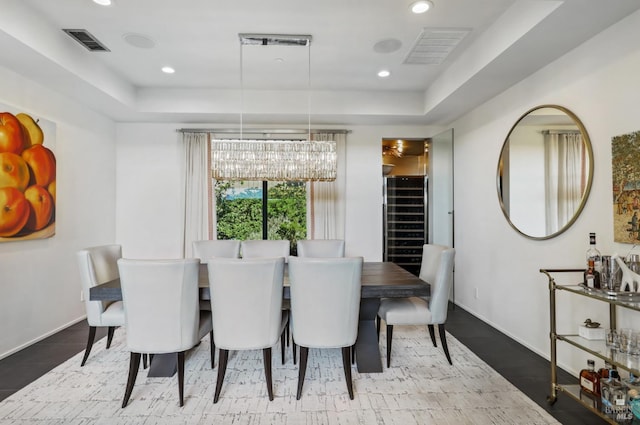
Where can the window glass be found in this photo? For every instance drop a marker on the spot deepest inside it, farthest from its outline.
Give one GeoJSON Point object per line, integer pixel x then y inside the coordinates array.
{"type": "Point", "coordinates": [238, 209]}
{"type": "Point", "coordinates": [240, 213]}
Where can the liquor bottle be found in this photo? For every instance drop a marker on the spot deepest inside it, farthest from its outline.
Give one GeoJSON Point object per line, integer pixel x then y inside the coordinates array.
{"type": "Point", "coordinates": [594, 254]}
{"type": "Point", "coordinates": [603, 372]}
{"type": "Point", "coordinates": [591, 276]}
{"type": "Point", "coordinates": [633, 400]}
{"type": "Point", "coordinates": [589, 379]}
{"type": "Point", "coordinates": [603, 375]}
{"type": "Point", "coordinates": [613, 392]}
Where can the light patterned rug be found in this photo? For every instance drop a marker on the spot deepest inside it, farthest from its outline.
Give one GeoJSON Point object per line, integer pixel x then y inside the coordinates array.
{"type": "Point", "coordinates": [420, 388]}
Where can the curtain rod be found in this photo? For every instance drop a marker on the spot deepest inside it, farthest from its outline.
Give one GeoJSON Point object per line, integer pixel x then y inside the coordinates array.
{"type": "Point", "coordinates": [260, 131]}
{"type": "Point", "coordinates": [560, 131]}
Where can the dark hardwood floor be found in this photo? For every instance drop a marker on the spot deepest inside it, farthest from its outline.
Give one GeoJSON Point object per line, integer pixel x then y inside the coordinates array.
{"type": "Point", "coordinates": [529, 372]}
{"type": "Point", "coordinates": [523, 368]}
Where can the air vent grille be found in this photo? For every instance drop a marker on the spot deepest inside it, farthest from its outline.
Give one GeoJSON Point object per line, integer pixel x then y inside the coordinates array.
{"type": "Point", "coordinates": [85, 38]}
{"type": "Point", "coordinates": [434, 45]}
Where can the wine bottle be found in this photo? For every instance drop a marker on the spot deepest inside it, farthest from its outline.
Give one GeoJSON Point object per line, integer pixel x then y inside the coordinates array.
{"type": "Point", "coordinates": [594, 254]}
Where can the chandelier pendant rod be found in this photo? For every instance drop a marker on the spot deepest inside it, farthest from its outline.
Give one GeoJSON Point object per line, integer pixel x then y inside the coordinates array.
{"type": "Point", "coordinates": [309, 88]}
{"type": "Point", "coordinates": [241, 90]}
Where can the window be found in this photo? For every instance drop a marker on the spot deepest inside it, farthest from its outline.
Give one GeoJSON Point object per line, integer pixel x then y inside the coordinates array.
{"type": "Point", "coordinates": [261, 210]}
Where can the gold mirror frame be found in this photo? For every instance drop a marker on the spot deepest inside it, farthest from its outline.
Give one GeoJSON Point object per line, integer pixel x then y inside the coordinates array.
{"type": "Point", "coordinates": [501, 171]}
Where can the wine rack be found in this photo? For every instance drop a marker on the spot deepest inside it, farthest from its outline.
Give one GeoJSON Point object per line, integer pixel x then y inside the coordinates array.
{"type": "Point", "coordinates": [405, 221]}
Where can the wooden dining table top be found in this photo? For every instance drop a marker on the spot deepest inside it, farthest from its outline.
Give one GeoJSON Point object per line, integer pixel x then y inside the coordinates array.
{"type": "Point", "coordinates": [379, 279]}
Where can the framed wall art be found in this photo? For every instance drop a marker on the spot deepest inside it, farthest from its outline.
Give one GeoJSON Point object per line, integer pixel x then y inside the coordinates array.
{"type": "Point", "coordinates": [625, 161]}
{"type": "Point", "coordinates": [27, 176]}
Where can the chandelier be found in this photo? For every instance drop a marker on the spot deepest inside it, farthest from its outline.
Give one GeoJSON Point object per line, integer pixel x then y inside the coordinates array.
{"type": "Point", "coordinates": [273, 160]}
{"type": "Point", "coordinates": [280, 160]}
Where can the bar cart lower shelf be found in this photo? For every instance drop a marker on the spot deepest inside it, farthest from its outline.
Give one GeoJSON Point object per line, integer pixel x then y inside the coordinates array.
{"type": "Point", "coordinates": [623, 416]}
{"type": "Point", "coordinates": [630, 363]}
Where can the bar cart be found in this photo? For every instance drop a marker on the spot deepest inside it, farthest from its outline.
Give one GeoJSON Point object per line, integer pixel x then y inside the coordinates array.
{"type": "Point", "coordinates": [596, 348]}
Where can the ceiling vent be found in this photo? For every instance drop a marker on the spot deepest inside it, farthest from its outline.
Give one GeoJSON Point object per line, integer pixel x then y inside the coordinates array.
{"type": "Point", "coordinates": [434, 45]}
{"type": "Point", "coordinates": [85, 38]}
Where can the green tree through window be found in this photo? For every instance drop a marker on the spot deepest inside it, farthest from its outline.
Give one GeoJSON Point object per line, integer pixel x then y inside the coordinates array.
{"type": "Point", "coordinates": [240, 214]}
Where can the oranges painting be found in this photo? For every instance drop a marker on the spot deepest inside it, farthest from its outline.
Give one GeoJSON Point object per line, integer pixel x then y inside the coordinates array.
{"type": "Point", "coordinates": [27, 179]}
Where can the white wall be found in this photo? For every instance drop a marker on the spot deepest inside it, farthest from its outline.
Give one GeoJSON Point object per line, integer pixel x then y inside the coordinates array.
{"type": "Point", "coordinates": [599, 83]}
{"type": "Point", "coordinates": [39, 282]}
{"type": "Point", "coordinates": [149, 184]}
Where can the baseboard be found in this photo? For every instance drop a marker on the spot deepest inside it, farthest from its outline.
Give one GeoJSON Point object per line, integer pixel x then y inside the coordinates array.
{"type": "Point", "coordinates": [41, 337]}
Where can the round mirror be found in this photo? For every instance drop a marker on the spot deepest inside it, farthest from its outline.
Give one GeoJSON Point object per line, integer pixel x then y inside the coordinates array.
{"type": "Point", "coordinates": [545, 172]}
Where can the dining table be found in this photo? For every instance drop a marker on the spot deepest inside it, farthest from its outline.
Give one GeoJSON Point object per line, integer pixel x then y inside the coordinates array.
{"type": "Point", "coordinates": [379, 280]}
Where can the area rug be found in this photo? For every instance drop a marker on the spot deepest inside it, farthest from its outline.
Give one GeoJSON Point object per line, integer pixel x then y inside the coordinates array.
{"type": "Point", "coordinates": [420, 388]}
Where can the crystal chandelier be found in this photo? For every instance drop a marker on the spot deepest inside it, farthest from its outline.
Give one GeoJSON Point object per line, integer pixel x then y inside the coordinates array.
{"type": "Point", "coordinates": [273, 160]}
{"type": "Point", "coordinates": [280, 160]}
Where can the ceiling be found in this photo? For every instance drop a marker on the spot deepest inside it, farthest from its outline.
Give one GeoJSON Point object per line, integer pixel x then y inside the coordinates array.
{"type": "Point", "coordinates": [333, 81]}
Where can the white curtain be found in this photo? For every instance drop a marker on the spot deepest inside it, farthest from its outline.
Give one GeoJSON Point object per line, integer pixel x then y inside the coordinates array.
{"type": "Point", "coordinates": [326, 201]}
{"type": "Point", "coordinates": [197, 190]}
{"type": "Point", "coordinates": [565, 173]}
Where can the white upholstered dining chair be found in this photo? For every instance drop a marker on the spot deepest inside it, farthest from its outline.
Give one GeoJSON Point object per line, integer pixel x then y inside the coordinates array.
{"type": "Point", "coordinates": [208, 249]}
{"type": "Point", "coordinates": [321, 248]}
{"type": "Point", "coordinates": [246, 301]}
{"type": "Point", "coordinates": [225, 248]}
{"type": "Point", "coordinates": [162, 312]}
{"type": "Point", "coordinates": [437, 270]}
{"type": "Point", "coordinates": [260, 248]}
{"type": "Point", "coordinates": [263, 248]}
{"type": "Point", "coordinates": [325, 306]}
{"type": "Point", "coordinates": [98, 265]}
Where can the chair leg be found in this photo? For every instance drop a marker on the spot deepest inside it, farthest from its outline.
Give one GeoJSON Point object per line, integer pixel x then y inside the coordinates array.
{"type": "Point", "coordinates": [347, 369]}
{"type": "Point", "coordinates": [378, 321]}
{"type": "Point", "coordinates": [222, 368]}
{"type": "Point", "coordinates": [287, 331]}
{"type": "Point", "coordinates": [304, 354]}
{"type": "Point", "coordinates": [92, 337]}
{"type": "Point", "coordinates": [144, 360]}
{"type": "Point", "coordinates": [443, 340]}
{"type": "Point", "coordinates": [213, 349]}
{"type": "Point", "coordinates": [389, 339]}
{"type": "Point", "coordinates": [282, 344]}
{"type": "Point", "coordinates": [293, 350]}
{"type": "Point", "coordinates": [110, 333]}
{"type": "Point", "coordinates": [266, 358]}
{"type": "Point", "coordinates": [134, 365]}
{"type": "Point", "coordinates": [181, 377]}
{"type": "Point", "coordinates": [432, 332]}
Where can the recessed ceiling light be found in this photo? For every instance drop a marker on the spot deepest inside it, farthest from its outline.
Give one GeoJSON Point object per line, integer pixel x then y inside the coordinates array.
{"type": "Point", "coordinates": [103, 2]}
{"type": "Point", "coordinates": [421, 6]}
{"type": "Point", "coordinates": [384, 73]}
{"type": "Point", "coordinates": [168, 70]}
{"type": "Point", "coordinates": [279, 60]}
